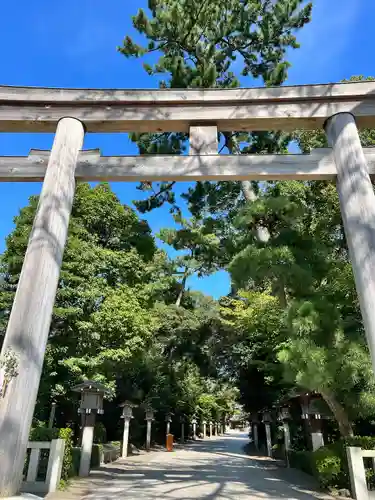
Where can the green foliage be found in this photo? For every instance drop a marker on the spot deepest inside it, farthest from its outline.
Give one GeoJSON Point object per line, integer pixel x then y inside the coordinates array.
{"type": "Point", "coordinates": [198, 249]}
{"type": "Point", "coordinates": [95, 455]}
{"type": "Point", "coordinates": [43, 433]}
{"type": "Point", "coordinates": [67, 468]}
{"type": "Point", "coordinates": [211, 44]}
{"type": "Point", "coordinates": [329, 464]}
{"type": "Point", "coordinates": [76, 459]}
{"type": "Point", "coordinates": [100, 433]}
{"type": "Point", "coordinates": [364, 442]}
{"type": "Point", "coordinates": [198, 41]}
{"type": "Point", "coordinates": [116, 320]}
{"type": "Point", "coordinates": [251, 332]}
{"type": "Point", "coordinates": [301, 460]}
{"type": "Point", "coordinates": [111, 275]}
{"type": "Point", "coordinates": [305, 264]}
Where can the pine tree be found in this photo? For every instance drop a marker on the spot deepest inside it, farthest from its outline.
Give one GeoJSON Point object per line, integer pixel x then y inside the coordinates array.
{"type": "Point", "coordinates": [211, 44]}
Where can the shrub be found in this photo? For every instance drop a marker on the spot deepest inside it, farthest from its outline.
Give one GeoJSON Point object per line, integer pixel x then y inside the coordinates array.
{"type": "Point", "coordinates": [329, 464]}
{"type": "Point", "coordinates": [95, 455]}
{"type": "Point", "coordinates": [301, 460]}
{"type": "Point", "coordinates": [76, 459]}
{"type": "Point", "coordinates": [100, 433]}
{"type": "Point", "coordinates": [67, 468]}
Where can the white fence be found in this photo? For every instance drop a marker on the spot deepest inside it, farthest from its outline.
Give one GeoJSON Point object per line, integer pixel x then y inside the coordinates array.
{"type": "Point", "coordinates": [357, 471]}
{"type": "Point", "coordinates": [55, 461]}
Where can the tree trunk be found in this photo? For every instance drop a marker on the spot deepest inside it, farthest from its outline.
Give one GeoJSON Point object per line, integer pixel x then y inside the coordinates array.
{"type": "Point", "coordinates": [339, 412]}
{"type": "Point", "coordinates": [262, 233]}
{"type": "Point", "coordinates": [182, 290]}
{"type": "Point", "coordinates": [278, 290]}
{"type": "Point", "coordinates": [248, 191]}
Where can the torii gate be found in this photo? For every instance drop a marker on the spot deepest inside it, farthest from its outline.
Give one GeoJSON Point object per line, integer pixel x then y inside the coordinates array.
{"type": "Point", "coordinates": [339, 108]}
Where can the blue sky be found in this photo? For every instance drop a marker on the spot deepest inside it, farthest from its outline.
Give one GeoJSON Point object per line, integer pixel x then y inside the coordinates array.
{"type": "Point", "coordinates": [73, 44]}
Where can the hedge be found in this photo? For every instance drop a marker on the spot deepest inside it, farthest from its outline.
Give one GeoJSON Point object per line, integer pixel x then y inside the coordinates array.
{"type": "Point", "coordinates": [301, 460]}
{"type": "Point", "coordinates": [329, 464]}
{"type": "Point", "coordinates": [95, 454]}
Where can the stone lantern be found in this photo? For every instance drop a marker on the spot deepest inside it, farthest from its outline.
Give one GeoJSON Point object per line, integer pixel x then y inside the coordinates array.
{"type": "Point", "coordinates": [284, 417]}
{"type": "Point", "coordinates": [194, 422]}
{"type": "Point", "coordinates": [182, 422]}
{"type": "Point", "coordinates": [267, 419]}
{"type": "Point", "coordinates": [210, 426]}
{"type": "Point", "coordinates": [149, 418]}
{"type": "Point", "coordinates": [92, 394]}
{"type": "Point", "coordinates": [255, 421]}
{"type": "Point", "coordinates": [204, 423]}
{"type": "Point", "coordinates": [284, 414]}
{"type": "Point", "coordinates": [127, 415]}
{"type": "Point", "coordinates": [168, 420]}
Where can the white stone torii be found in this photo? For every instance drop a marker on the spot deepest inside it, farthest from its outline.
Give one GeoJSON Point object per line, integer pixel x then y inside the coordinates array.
{"type": "Point", "coordinates": [201, 113]}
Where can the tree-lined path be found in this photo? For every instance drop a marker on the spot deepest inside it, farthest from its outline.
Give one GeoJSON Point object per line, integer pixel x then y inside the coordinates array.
{"type": "Point", "coordinates": [217, 469]}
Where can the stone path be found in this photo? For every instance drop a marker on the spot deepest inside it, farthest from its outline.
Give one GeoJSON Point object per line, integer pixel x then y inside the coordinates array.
{"type": "Point", "coordinates": [216, 469]}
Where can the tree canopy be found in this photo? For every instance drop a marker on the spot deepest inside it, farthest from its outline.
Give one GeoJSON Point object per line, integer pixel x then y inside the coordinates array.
{"type": "Point", "coordinates": [124, 314]}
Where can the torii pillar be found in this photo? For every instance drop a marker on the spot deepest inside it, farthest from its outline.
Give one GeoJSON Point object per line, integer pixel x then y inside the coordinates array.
{"type": "Point", "coordinates": [357, 202]}
{"type": "Point", "coordinates": [30, 318]}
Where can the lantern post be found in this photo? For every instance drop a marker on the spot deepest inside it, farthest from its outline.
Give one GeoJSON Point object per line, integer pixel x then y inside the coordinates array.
{"type": "Point", "coordinates": [284, 417]}
{"type": "Point", "coordinates": [267, 423]}
{"type": "Point", "coordinates": [127, 415]}
{"type": "Point", "coordinates": [194, 424]}
{"type": "Point", "coordinates": [182, 421]}
{"type": "Point", "coordinates": [255, 423]}
{"type": "Point", "coordinates": [204, 423]}
{"type": "Point", "coordinates": [168, 420]}
{"type": "Point", "coordinates": [149, 418]}
{"type": "Point", "coordinates": [92, 394]}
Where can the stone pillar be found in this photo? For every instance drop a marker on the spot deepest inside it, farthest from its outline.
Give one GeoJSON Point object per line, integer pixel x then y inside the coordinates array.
{"type": "Point", "coordinates": [357, 473]}
{"type": "Point", "coordinates": [125, 440]}
{"type": "Point", "coordinates": [52, 416]}
{"type": "Point", "coordinates": [286, 436]}
{"type": "Point", "coordinates": [149, 419]}
{"type": "Point", "coordinates": [182, 432]}
{"type": "Point", "coordinates": [127, 415]}
{"type": "Point", "coordinates": [87, 440]}
{"type": "Point", "coordinates": [285, 417]}
{"type": "Point", "coordinates": [268, 439]}
{"type": "Point", "coordinates": [148, 435]}
{"type": "Point", "coordinates": [194, 424]}
{"type": "Point", "coordinates": [30, 318]}
{"type": "Point", "coordinates": [357, 202]}
{"type": "Point", "coordinates": [204, 429]}
{"type": "Point", "coordinates": [168, 420]}
{"type": "Point", "coordinates": [55, 464]}
{"type": "Point", "coordinates": [210, 429]}
{"type": "Point", "coordinates": [92, 394]}
{"type": "Point", "coordinates": [317, 439]}
{"type": "Point", "coordinates": [255, 436]}
{"type": "Point", "coordinates": [182, 421]}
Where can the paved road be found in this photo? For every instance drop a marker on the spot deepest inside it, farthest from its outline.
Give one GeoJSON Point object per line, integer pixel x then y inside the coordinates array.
{"type": "Point", "coordinates": [216, 469]}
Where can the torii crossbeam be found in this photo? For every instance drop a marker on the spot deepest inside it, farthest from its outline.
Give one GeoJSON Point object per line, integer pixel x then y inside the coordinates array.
{"type": "Point", "coordinates": [200, 113]}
